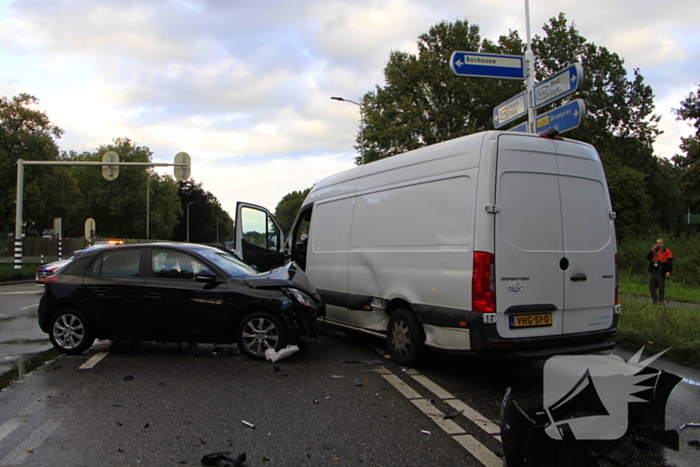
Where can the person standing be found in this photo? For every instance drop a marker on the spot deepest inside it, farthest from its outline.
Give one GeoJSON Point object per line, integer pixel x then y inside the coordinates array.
{"type": "Point", "coordinates": [660, 266]}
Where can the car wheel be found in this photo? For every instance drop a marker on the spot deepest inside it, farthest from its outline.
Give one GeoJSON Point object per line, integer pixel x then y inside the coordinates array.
{"type": "Point", "coordinates": [70, 332]}
{"type": "Point", "coordinates": [404, 337]}
{"type": "Point", "coordinates": [259, 332]}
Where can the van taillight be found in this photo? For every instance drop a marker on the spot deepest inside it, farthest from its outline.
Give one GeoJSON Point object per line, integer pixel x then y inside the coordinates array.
{"type": "Point", "coordinates": [617, 282]}
{"type": "Point", "coordinates": [483, 283]}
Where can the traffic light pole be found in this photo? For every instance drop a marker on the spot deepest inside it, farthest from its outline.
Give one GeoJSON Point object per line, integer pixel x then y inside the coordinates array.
{"type": "Point", "coordinates": [183, 166]}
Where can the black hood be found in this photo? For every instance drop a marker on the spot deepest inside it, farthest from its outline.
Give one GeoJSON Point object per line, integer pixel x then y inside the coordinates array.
{"type": "Point", "coordinates": [288, 276]}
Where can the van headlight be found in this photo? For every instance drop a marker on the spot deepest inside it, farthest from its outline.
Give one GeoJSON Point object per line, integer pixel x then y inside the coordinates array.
{"type": "Point", "coordinates": [301, 297]}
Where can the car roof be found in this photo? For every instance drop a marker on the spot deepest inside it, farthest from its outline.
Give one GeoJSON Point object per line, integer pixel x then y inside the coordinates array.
{"type": "Point", "coordinates": [180, 246]}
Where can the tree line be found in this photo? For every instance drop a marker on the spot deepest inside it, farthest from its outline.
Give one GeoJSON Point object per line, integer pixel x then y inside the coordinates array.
{"type": "Point", "coordinates": [139, 203]}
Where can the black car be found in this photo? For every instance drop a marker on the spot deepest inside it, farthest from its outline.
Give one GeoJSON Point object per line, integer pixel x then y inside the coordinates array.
{"type": "Point", "coordinates": [176, 292]}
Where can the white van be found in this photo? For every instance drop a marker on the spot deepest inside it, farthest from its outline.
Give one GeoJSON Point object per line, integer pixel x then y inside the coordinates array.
{"type": "Point", "coordinates": [497, 242]}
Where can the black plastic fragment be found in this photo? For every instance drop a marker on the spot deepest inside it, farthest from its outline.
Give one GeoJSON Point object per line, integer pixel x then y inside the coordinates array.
{"type": "Point", "coordinates": [222, 459]}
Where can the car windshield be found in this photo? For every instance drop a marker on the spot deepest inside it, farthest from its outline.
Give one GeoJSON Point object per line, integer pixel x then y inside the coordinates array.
{"type": "Point", "coordinates": [226, 261]}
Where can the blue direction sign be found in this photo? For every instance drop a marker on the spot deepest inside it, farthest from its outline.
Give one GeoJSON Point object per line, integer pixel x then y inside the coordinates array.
{"type": "Point", "coordinates": [488, 65]}
{"type": "Point", "coordinates": [522, 127]}
{"type": "Point", "coordinates": [510, 110]}
{"type": "Point", "coordinates": [564, 118]}
{"type": "Point", "coordinates": [558, 85]}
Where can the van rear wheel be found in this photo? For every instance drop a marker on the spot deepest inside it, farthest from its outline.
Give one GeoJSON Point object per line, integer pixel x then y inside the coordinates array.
{"type": "Point", "coordinates": [404, 337]}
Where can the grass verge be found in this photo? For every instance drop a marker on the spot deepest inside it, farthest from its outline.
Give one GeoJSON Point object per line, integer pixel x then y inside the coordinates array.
{"type": "Point", "coordinates": [660, 327]}
{"type": "Point", "coordinates": [8, 273]}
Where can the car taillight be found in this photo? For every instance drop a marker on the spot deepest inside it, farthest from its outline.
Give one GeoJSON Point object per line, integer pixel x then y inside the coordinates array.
{"type": "Point", "coordinates": [50, 279]}
{"type": "Point", "coordinates": [483, 283]}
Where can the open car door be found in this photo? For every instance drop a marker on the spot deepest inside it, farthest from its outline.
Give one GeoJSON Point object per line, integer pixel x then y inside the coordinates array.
{"type": "Point", "coordinates": [259, 238]}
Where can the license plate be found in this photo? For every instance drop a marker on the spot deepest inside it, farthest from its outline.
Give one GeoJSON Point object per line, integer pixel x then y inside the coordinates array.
{"type": "Point", "coordinates": [530, 321]}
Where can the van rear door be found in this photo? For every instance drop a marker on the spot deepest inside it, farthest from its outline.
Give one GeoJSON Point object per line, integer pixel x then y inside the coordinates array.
{"type": "Point", "coordinates": [554, 239]}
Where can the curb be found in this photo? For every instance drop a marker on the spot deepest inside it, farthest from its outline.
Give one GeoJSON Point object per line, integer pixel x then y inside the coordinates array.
{"type": "Point", "coordinates": [24, 364]}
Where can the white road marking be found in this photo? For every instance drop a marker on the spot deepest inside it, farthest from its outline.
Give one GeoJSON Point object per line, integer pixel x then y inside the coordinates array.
{"type": "Point", "coordinates": [468, 442]}
{"type": "Point", "coordinates": [432, 387]}
{"type": "Point", "coordinates": [38, 292]}
{"type": "Point", "coordinates": [436, 415]}
{"type": "Point", "coordinates": [402, 387]}
{"type": "Point", "coordinates": [94, 360]}
{"type": "Point", "coordinates": [24, 450]}
{"type": "Point", "coordinates": [30, 306]}
{"type": "Point", "coordinates": [484, 423]}
{"type": "Point", "coordinates": [11, 425]}
{"type": "Point", "coordinates": [478, 450]}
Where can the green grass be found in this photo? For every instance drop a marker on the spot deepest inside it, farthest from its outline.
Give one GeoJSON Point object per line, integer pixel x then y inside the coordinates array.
{"type": "Point", "coordinates": [660, 327]}
{"type": "Point", "coordinates": [8, 273]}
{"type": "Point", "coordinates": [638, 286]}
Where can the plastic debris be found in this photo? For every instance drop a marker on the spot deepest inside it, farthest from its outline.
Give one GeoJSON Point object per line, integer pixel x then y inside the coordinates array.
{"type": "Point", "coordinates": [248, 424]}
{"type": "Point", "coordinates": [272, 355]}
{"type": "Point", "coordinates": [222, 459]}
{"type": "Point", "coordinates": [453, 413]}
{"type": "Point", "coordinates": [425, 432]}
{"type": "Point", "coordinates": [128, 378]}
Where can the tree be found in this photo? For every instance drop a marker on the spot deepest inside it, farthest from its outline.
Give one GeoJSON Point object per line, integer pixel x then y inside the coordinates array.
{"type": "Point", "coordinates": [207, 219]}
{"type": "Point", "coordinates": [423, 102]}
{"type": "Point", "coordinates": [119, 207]}
{"type": "Point", "coordinates": [288, 207]}
{"type": "Point", "coordinates": [690, 161]}
{"type": "Point", "coordinates": [27, 133]}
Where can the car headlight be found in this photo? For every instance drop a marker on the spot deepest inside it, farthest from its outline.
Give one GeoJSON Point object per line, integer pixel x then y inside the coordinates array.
{"type": "Point", "coordinates": [302, 298]}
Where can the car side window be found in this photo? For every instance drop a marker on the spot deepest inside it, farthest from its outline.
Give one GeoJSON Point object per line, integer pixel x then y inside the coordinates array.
{"type": "Point", "coordinates": [117, 263]}
{"type": "Point", "coordinates": [172, 264]}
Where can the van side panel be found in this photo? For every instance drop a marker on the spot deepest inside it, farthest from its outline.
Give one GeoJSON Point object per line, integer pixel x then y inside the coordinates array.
{"type": "Point", "coordinates": [413, 242]}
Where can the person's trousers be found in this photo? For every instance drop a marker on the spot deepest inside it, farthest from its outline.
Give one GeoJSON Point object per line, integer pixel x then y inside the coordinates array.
{"type": "Point", "coordinates": [657, 283]}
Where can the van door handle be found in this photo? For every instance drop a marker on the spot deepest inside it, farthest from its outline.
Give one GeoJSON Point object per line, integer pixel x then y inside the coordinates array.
{"type": "Point", "coordinates": [579, 278]}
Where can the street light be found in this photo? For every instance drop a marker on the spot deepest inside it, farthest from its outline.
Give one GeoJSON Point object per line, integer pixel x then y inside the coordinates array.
{"type": "Point", "coordinates": [188, 220]}
{"type": "Point", "coordinates": [362, 126]}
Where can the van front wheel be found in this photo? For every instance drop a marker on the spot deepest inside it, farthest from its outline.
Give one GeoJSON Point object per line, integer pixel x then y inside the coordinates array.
{"type": "Point", "coordinates": [404, 337]}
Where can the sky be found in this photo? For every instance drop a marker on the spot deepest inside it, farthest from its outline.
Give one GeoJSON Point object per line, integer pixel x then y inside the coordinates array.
{"type": "Point", "coordinates": [244, 86]}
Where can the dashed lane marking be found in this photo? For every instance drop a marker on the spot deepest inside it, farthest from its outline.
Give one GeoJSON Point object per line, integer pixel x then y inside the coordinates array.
{"type": "Point", "coordinates": [11, 425]}
{"type": "Point", "coordinates": [468, 442]}
{"type": "Point", "coordinates": [94, 360]}
{"type": "Point", "coordinates": [478, 450]}
{"type": "Point", "coordinates": [24, 450]}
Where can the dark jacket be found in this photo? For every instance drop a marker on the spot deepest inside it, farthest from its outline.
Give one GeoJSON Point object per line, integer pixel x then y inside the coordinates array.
{"type": "Point", "coordinates": [665, 262]}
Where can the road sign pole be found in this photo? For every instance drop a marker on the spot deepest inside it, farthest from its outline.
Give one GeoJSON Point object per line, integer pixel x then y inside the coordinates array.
{"type": "Point", "coordinates": [530, 77]}
{"type": "Point", "coordinates": [18, 214]}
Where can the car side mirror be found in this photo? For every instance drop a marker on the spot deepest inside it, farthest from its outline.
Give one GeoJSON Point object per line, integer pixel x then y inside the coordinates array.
{"type": "Point", "coordinates": [205, 275]}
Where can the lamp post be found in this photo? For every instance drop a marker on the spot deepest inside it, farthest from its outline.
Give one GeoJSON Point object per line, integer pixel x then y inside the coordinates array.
{"type": "Point", "coordinates": [362, 126]}
{"type": "Point", "coordinates": [188, 220]}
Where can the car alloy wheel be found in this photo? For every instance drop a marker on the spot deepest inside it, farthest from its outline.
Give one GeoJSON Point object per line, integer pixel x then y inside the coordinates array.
{"type": "Point", "coordinates": [259, 332]}
{"type": "Point", "coordinates": [70, 332]}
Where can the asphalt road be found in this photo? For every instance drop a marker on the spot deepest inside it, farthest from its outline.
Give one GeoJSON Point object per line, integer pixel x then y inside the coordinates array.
{"type": "Point", "coordinates": [339, 401]}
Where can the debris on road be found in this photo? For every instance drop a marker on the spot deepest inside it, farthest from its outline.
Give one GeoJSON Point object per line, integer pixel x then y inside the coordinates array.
{"type": "Point", "coordinates": [272, 355]}
{"type": "Point", "coordinates": [222, 459]}
{"type": "Point", "coordinates": [453, 413]}
{"type": "Point", "coordinates": [248, 424]}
